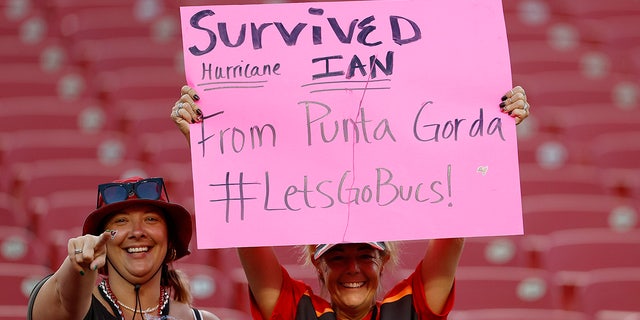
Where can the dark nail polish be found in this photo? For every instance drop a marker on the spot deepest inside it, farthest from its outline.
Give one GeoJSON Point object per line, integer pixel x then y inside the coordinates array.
{"type": "Point", "coordinates": [199, 112]}
{"type": "Point", "coordinates": [196, 97]}
{"type": "Point", "coordinates": [81, 273]}
{"type": "Point", "coordinates": [193, 121]}
{"type": "Point", "coordinates": [502, 104]}
{"type": "Point", "coordinates": [503, 98]}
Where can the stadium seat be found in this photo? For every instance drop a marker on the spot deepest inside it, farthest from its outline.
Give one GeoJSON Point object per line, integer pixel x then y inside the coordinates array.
{"type": "Point", "coordinates": [49, 53]}
{"type": "Point", "coordinates": [590, 126]}
{"type": "Point", "coordinates": [617, 315]}
{"type": "Point", "coordinates": [98, 23]}
{"type": "Point", "coordinates": [166, 148]}
{"type": "Point", "coordinates": [141, 83]}
{"type": "Point", "coordinates": [619, 150]}
{"type": "Point", "coordinates": [569, 179]}
{"type": "Point", "coordinates": [571, 254]}
{"type": "Point", "coordinates": [11, 213]}
{"type": "Point", "coordinates": [550, 152]}
{"type": "Point", "coordinates": [64, 210]}
{"type": "Point", "coordinates": [18, 245]}
{"type": "Point", "coordinates": [537, 56]}
{"type": "Point", "coordinates": [12, 312]}
{"type": "Point", "coordinates": [546, 213]}
{"type": "Point", "coordinates": [494, 251]}
{"type": "Point", "coordinates": [116, 53]}
{"type": "Point", "coordinates": [148, 117]}
{"type": "Point", "coordinates": [595, 9]}
{"type": "Point", "coordinates": [611, 289]}
{"type": "Point", "coordinates": [86, 116]}
{"type": "Point", "coordinates": [28, 146]}
{"type": "Point", "coordinates": [589, 249]}
{"type": "Point", "coordinates": [517, 314]}
{"type": "Point", "coordinates": [30, 80]}
{"type": "Point", "coordinates": [18, 280]}
{"type": "Point", "coordinates": [35, 181]}
{"type": "Point", "coordinates": [210, 287]}
{"type": "Point", "coordinates": [567, 88]}
{"type": "Point", "coordinates": [504, 287]}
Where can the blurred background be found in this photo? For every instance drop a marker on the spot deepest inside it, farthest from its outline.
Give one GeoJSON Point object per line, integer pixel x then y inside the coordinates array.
{"type": "Point", "coordinates": [85, 94]}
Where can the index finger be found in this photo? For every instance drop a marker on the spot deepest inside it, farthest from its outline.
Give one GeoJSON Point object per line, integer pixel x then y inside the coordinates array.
{"type": "Point", "coordinates": [103, 238]}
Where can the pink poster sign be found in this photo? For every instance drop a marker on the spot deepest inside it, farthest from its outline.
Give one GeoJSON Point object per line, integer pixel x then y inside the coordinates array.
{"type": "Point", "coordinates": [350, 122]}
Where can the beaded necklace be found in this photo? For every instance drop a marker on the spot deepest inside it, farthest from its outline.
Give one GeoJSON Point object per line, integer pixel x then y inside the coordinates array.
{"type": "Point", "coordinates": [115, 304]}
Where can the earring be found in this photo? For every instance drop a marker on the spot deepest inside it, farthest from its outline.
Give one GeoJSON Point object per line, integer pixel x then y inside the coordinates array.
{"type": "Point", "coordinates": [171, 255]}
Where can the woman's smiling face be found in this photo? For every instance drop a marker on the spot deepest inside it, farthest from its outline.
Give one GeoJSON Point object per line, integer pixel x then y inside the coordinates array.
{"type": "Point", "coordinates": [140, 244]}
{"type": "Point", "coordinates": [351, 274]}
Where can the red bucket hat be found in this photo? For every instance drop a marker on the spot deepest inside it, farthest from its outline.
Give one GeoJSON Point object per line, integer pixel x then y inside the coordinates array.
{"type": "Point", "coordinates": [178, 218]}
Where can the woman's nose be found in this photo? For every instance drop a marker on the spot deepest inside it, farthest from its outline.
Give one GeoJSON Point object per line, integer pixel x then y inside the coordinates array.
{"type": "Point", "coordinates": [137, 229]}
{"type": "Point", "coordinates": [352, 265]}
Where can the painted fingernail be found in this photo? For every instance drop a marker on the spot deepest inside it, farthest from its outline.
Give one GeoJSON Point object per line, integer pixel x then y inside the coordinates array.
{"type": "Point", "coordinates": [94, 268]}
{"type": "Point", "coordinates": [82, 273]}
{"type": "Point", "coordinates": [502, 105]}
{"type": "Point", "coordinates": [196, 97]}
{"type": "Point", "coordinates": [503, 98]}
{"type": "Point", "coordinates": [199, 112]}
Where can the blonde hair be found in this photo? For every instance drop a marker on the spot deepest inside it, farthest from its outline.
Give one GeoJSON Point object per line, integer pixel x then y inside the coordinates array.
{"type": "Point", "coordinates": [178, 283]}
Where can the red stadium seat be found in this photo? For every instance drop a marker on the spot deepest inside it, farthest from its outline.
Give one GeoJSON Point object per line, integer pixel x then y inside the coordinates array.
{"type": "Point", "coordinates": [48, 53]}
{"type": "Point", "coordinates": [102, 23]}
{"type": "Point", "coordinates": [108, 148]}
{"type": "Point", "coordinates": [598, 9]}
{"type": "Point", "coordinates": [210, 287]}
{"type": "Point", "coordinates": [620, 150]}
{"type": "Point", "coordinates": [611, 289]}
{"type": "Point", "coordinates": [18, 245]}
{"type": "Point", "coordinates": [504, 287]}
{"type": "Point", "coordinates": [590, 126]}
{"type": "Point", "coordinates": [18, 280]}
{"type": "Point", "coordinates": [494, 251]}
{"type": "Point", "coordinates": [580, 250]}
{"type": "Point", "coordinates": [117, 53]}
{"type": "Point", "coordinates": [31, 80]}
{"type": "Point", "coordinates": [12, 312]}
{"type": "Point", "coordinates": [617, 315]}
{"type": "Point", "coordinates": [53, 113]}
{"type": "Point", "coordinates": [64, 210]}
{"type": "Point", "coordinates": [141, 83]}
{"type": "Point", "coordinates": [36, 181]}
{"type": "Point", "coordinates": [556, 212]}
{"type": "Point", "coordinates": [517, 314]}
{"type": "Point", "coordinates": [11, 213]}
{"type": "Point", "coordinates": [571, 254]}
{"type": "Point", "coordinates": [569, 179]}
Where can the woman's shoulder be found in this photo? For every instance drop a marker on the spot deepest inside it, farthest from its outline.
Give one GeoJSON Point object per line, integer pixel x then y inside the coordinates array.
{"type": "Point", "coordinates": [182, 310]}
{"type": "Point", "coordinates": [206, 315]}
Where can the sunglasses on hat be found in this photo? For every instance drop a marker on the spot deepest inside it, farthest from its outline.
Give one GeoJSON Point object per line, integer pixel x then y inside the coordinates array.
{"type": "Point", "coordinates": [149, 189]}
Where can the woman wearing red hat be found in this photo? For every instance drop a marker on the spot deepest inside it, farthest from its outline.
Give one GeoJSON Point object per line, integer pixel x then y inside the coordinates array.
{"type": "Point", "coordinates": [120, 268]}
{"type": "Point", "coordinates": [350, 273]}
